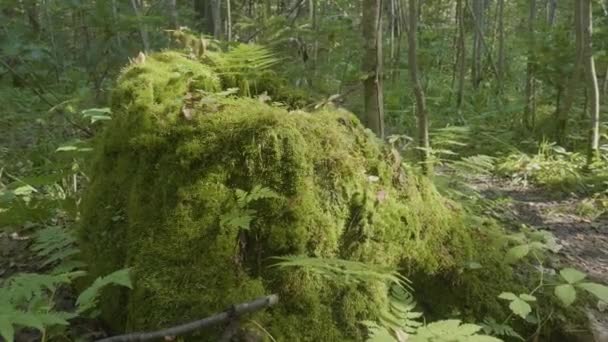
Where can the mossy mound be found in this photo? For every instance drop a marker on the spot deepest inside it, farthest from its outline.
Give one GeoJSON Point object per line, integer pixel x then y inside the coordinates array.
{"type": "Point", "coordinates": [168, 169]}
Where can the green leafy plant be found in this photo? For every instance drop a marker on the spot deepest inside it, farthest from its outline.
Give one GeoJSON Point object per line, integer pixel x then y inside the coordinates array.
{"type": "Point", "coordinates": [451, 330]}
{"type": "Point", "coordinates": [28, 300]}
{"type": "Point", "coordinates": [241, 214]}
{"type": "Point", "coordinates": [344, 271]}
{"type": "Point", "coordinates": [491, 327]}
{"type": "Point", "coordinates": [519, 305]}
{"type": "Point", "coordinates": [572, 280]}
{"type": "Point", "coordinates": [531, 242]}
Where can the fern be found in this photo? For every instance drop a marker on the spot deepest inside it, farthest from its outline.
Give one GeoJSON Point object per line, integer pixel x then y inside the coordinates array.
{"type": "Point", "coordinates": [451, 330]}
{"type": "Point", "coordinates": [54, 244]}
{"type": "Point", "coordinates": [240, 216]}
{"type": "Point", "coordinates": [88, 298]}
{"type": "Point", "coordinates": [491, 327]}
{"type": "Point", "coordinates": [400, 315]}
{"type": "Point", "coordinates": [27, 300]}
{"type": "Point", "coordinates": [344, 271]}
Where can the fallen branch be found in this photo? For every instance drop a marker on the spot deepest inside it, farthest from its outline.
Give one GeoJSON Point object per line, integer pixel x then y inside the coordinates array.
{"type": "Point", "coordinates": [226, 316]}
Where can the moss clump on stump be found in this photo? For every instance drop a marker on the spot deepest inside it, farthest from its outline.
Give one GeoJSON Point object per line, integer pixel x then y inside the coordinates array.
{"type": "Point", "coordinates": [169, 166]}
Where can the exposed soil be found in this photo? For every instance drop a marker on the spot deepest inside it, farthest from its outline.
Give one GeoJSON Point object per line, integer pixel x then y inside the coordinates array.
{"type": "Point", "coordinates": [584, 237]}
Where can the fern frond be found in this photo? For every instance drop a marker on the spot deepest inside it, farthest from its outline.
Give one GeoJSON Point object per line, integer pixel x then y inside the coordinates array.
{"type": "Point", "coordinates": [344, 271]}
{"type": "Point", "coordinates": [451, 330]}
{"type": "Point", "coordinates": [54, 244]}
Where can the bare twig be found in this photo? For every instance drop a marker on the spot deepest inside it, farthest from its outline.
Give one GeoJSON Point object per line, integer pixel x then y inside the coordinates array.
{"type": "Point", "coordinates": [230, 314]}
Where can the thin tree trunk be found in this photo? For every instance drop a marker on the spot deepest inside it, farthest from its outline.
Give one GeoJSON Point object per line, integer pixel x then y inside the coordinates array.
{"type": "Point", "coordinates": [229, 20]}
{"type": "Point", "coordinates": [606, 83]}
{"type": "Point", "coordinates": [142, 30]}
{"type": "Point", "coordinates": [592, 84]}
{"type": "Point", "coordinates": [115, 19]}
{"type": "Point", "coordinates": [462, 54]}
{"type": "Point", "coordinates": [501, 44]}
{"type": "Point", "coordinates": [421, 110]}
{"type": "Point", "coordinates": [372, 65]}
{"type": "Point", "coordinates": [478, 18]}
{"type": "Point", "coordinates": [216, 13]}
{"type": "Point", "coordinates": [563, 111]}
{"type": "Point", "coordinates": [530, 109]}
{"type": "Point", "coordinates": [174, 16]}
{"type": "Point", "coordinates": [551, 12]}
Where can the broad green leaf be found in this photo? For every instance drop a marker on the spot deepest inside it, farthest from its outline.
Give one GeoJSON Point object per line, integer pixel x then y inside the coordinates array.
{"type": "Point", "coordinates": [527, 297]}
{"type": "Point", "coordinates": [566, 294]}
{"type": "Point", "coordinates": [518, 252]}
{"type": "Point", "coordinates": [507, 296]}
{"type": "Point", "coordinates": [6, 328]}
{"type": "Point", "coordinates": [520, 308]}
{"type": "Point", "coordinates": [571, 275]}
{"type": "Point", "coordinates": [96, 111]}
{"type": "Point", "coordinates": [600, 291]}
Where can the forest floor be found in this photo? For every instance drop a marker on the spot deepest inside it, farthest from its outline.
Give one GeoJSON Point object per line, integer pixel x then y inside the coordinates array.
{"type": "Point", "coordinates": [583, 234]}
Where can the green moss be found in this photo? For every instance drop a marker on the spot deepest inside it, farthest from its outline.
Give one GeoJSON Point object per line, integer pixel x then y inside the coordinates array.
{"type": "Point", "coordinates": [161, 182]}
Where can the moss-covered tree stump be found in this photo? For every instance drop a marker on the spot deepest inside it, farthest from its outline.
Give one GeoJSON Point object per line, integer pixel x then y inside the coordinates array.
{"type": "Point", "coordinates": [178, 157]}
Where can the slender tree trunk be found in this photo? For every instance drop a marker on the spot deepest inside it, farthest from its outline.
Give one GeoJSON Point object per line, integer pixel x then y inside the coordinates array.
{"type": "Point", "coordinates": [462, 53]}
{"type": "Point", "coordinates": [479, 18]}
{"type": "Point", "coordinates": [591, 76]}
{"type": "Point", "coordinates": [142, 30]}
{"type": "Point", "coordinates": [421, 110]}
{"type": "Point", "coordinates": [115, 20]}
{"type": "Point", "coordinates": [530, 109]}
{"type": "Point", "coordinates": [501, 44]}
{"type": "Point", "coordinates": [551, 12]}
{"type": "Point", "coordinates": [216, 13]}
{"type": "Point", "coordinates": [229, 20]}
{"type": "Point", "coordinates": [571, 89]}
{"type": "Point", "coordinates": [174, 16]}
{"type": "Point", "coordinates": [606, 83]}
{"type": "Point", "coordinates": [372, 65]}
{"type": "Point", "coordinates": [33, 16]}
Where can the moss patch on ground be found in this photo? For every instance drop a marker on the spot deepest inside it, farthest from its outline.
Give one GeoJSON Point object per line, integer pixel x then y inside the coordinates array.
{"type": "Point", "coordinates": [177, 156]}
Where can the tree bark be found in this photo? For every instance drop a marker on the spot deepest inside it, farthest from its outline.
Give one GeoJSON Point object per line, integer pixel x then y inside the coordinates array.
{"type": "Point", "coordinates": [462, 53]}
{"type": "Point", "coordinates": [551, 12]}
{"type": "Point", "coordinates": [421, 110]}
{"type": "Point", "coordinates": [216, 14]}
{"type": "Point", "coordinates": [142, 30]}
{"type": "Point", "coordinates": [372, 65]}
{"type": "Point", "coordinates": [591, 77]}
{"type": "Point", "coordinates": [530, 109]}
{"type": "Point", "coordinates": [570, 91]}
{"type": "Point", "coordinates": [479, 18]}
{"type": "Point", "coordinates": [229, 20]}
{"type": "Point", "coordinates": [174, 16]}
{"type": "Point", "coordinates": [501, 44]}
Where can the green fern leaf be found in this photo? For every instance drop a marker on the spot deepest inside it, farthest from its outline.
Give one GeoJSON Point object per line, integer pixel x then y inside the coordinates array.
{"type": "Point", "coordinates": [88, 298]}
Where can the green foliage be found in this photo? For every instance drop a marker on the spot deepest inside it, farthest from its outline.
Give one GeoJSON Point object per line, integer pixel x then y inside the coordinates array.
{"type": "Point", "coordinates": [554, 167]}
{"type": "Point", "coordinates": [240, 216]}
{"type": "Point", "coordinates": [491, 327]}
{"type": "Point", "coordinates": [87, 300]}
{"type": "Point", "coordinates": [345, 271]}
{"type": "Point", "coordinates": [451, 330]}
{"type": "Point", "coordinates": [27, 300]}
{"type": "Point", "coordinates": [531, 242]}
{"type": "Point", "coordinates": [566, 292]}
{"type": "Point", "coordinates": [519, 304]}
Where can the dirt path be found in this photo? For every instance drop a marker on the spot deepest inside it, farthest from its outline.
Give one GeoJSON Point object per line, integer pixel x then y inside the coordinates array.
{"type": "Point", "coordinates": [584, 237]}
{"type": "Point", "coordinates": [581, 231]}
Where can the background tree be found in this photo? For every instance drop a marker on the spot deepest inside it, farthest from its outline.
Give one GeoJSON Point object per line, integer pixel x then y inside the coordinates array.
{"type": "Point", "coordinates": [372, 65]}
